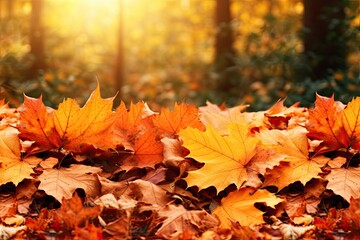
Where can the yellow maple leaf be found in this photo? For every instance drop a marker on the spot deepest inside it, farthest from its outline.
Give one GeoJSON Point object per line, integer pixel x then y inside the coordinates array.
{"type": "Point", "coordinates": [297, 164]}
{"type": "Point", "coordinates": [239, 206]}
{"type": "Point", "coordinates": [225, 158]}
{"type": "Point", "coordinates": [12, 167]}
{"type": "Point", "coordinates": [351, 121]}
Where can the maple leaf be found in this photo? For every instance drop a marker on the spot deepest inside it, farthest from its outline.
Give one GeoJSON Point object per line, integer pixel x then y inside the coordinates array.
{"type": "Point", "coordinates": [239, 206]}
{"type": "Point", "coordinates": [62, 183]}
{"type": "Point", "coordinates": [351, 121]}
{"type": "Point", "coordinates": [218, 118]}
{"type": "Point", "coordinates": [12, 168]}
{"type": "Point", "coordinates": [37, 124]}
{"type": "Point", "coordinates": [344, 182]}
{"type": "Point", "coordinates": [325, 124]}
{"type": "Point", "coordinates": [297, 165]}
{"type": "Point", "coordinates": [225, 159]}
{"type": "Point", "coordinates": [73, 214]}
{"type": "Point", "coordinates": [87, 125]}
{"type": "Point", "coordinates": [134, 119]}
{"type": "Point", "coordinates": [181, 117]}
{"type": "Point", "coordinates": [148, 150]}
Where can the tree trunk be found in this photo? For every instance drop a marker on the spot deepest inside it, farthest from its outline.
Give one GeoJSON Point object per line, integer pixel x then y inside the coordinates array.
{"type": "Point", "coordinates": [10, 8]}
{"type": "Point", "coordinates": [224, 50]}
{"type": "Point", "coordinates": [37, 39]}
{"type": "Point", "coordinates": [324, 37]}
{"type": "Point", "coordinates": [119, 68]}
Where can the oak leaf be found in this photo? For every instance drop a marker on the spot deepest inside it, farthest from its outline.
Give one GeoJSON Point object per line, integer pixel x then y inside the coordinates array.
{"type": "Point", "coordinates": [37, 124]}
{"type": "Point", "coordinates": [12, 167]}
{"type": "Point", "coordinates": [225, 158]}
{"type": "Point", "coordinates": [325, 124]}
{"type": "Point", "coordinates": [62, 183]}
{"type": "Point", "coordinates": [351, 121]}
{"type": "Point", "coordinates": [181, 117]}
{"type": "Point", "coordinates": [238, 206]}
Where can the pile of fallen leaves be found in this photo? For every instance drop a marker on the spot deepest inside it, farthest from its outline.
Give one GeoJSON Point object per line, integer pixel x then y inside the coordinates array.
{"type": "Point", "coordinates": [188, 173]}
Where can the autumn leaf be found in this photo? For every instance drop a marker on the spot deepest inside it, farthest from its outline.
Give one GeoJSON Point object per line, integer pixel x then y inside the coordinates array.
{"type": "Point", "coordinates": [181, 117]}
{"type": "Point", "coordinates": [218, 118]}
{"type": "Point", "coordinates": [325, 124]}
{"type": "Point", "coordinates": [344, 182]}
{"type": "Point", "coordinates": [73, 214]}
{"type": "Point", "coordinates": [7, 115]}
{"type": "Point", "coordinates": [144, 191]}
{"type": "Point", "coordinates": [174, 153]}
{"type": "Point", "coordinates": [87, 125]}
{"type": "Point", "coordinates": [134, 119]}
{"type": "Point", "coordinates": [281, 117]}
{"type": "Point", "coordinates": [148, 149]}
{"type": "Point", "coordinates": [37, 124]}
{"type": "Point", "coordinates": [13, 168]}
{"type": "Point", "coordinates": [239, 206]}
{"type": "Point", "coordinates": [225, 158]}
{"type": "Point", "coordinates": [62, 183]}
{"type": "Point", "coordinates": [351, 121]}
{"type": "Point", "coordinates": [297, 164]}
{"type": "Point", "coordinates": [178, 220]}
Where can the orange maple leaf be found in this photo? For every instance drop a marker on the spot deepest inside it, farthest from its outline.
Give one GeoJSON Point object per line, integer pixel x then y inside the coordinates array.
{"type": "Point", "coordinates": [148, 151]}
{"type": "Point", "coordinates": [238, 206]}
{"type": "Point", "coordinates": [73, 214]}
{"type": "Point", "coordinates": [87, 125]}
{"type": "Point", "coordinates": [181, 117]}
{"type": "Point", "coordinates": [325, 124]}
{"type": "Point", "coordinates": [37, 124]}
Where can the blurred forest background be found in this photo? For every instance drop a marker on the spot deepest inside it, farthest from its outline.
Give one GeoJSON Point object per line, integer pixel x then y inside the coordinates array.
{"type": "Point", "coordinates": [161, 51]}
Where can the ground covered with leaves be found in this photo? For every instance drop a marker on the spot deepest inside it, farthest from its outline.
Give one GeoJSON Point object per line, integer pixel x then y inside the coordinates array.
{"type": "Point", "coordinates": [211, 172]}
